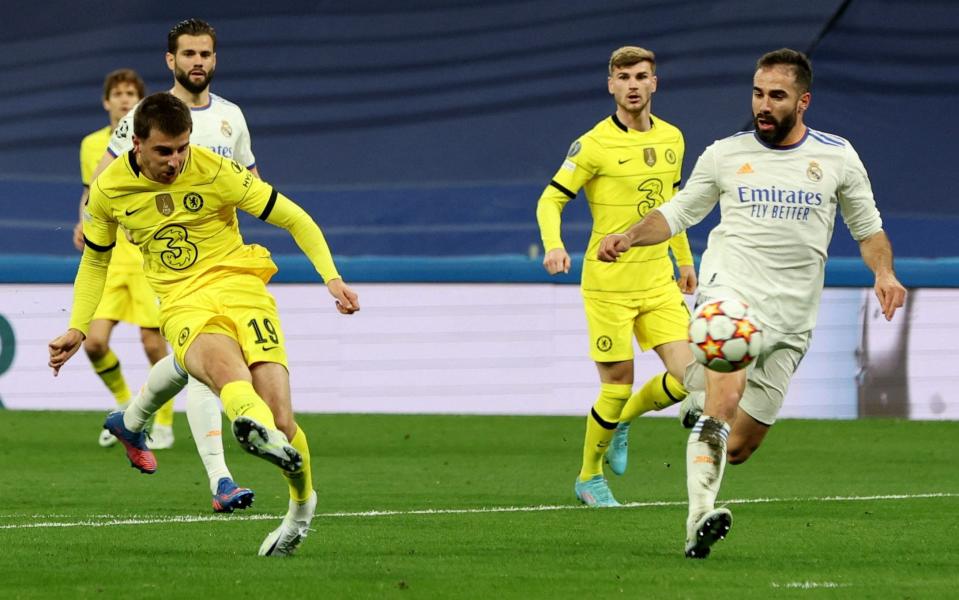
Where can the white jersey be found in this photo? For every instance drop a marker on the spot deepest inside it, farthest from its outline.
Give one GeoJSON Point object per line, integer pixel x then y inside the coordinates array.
{"type": "Point", "coordinates": [778, 210]}
{"type": "Point", "coordinates": [219, 126]}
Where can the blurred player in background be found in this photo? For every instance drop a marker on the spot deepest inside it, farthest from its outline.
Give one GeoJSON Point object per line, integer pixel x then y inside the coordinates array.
{"type": "Point", "coordinates": [127, 296]}
{"type": "Point", "coordinates": [629, 164]}
{"type": "Point", "coordinates": [778, 188]}
{"type": "Point", "coordinates": [220, 126]}
{"type": "Point", "coordinates": [179, 203]}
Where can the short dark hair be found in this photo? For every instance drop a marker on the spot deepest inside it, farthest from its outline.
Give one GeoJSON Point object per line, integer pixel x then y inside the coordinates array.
{"type": "Point", "coordinates": [162, 111]}
{"type": "Point", "coordinates": [801, 66]}
{"type": "Point", "coordinates": [189, 27]}
{"type": "Point", "coordinates": [115, 78]}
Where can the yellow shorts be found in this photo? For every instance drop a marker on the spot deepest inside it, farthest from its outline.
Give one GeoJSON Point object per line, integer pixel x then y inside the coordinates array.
{"type": "Point", "coordinates": [237, 306]}
{"type": "Point", "coordinates": [654, 321]}
{"type": "Point", "coordinates": [128, 297]}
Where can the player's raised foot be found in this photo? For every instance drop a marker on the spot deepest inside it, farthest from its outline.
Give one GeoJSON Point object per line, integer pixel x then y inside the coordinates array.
{"type": "Point", "coordinates": [160, 438]}
{"type": "Point", "coordinates": [286, 538]}
{"type": "Point", "coordinates": [595, 492]}
{"type": "Point", "coordinates": [133, 441]}
{"type": "Point", "coordinates": [268, 444]}
{"type": "Point", "coordinates": [616, 454]}
{"type": "Point", "coordinates": [229, 496]}
{"type": "Point", "coordinates": [690, 410]}
{"type": "Point", "coordinates": [705, 531]}
{"type": "Point", "coordinates": [106, 439]}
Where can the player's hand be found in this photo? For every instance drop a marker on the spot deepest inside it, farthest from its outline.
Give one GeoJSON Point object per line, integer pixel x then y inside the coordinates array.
{"type": "Point", "coordinates": [611, 246]}
{"type": "Point", "coordinates": [78, 236]}
{"type": "Point", "coordinates": [347, 301]}
{"type": "Point", "coordinates": [556, 261]}
{"type": "Point", "coordinates": [63, 347]}
{"type": "Point", "coordinates": [891, 294]}
{"type": "Point", "coordinates": [687, 279]}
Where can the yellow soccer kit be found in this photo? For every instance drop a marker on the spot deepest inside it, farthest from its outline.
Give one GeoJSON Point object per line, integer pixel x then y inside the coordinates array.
{"type": "Point", "coordinates": [126, 296]}
{"type": "Point", "coordinates": [192, 248]}
{"type": "Point", "coordinates": [625, 174]}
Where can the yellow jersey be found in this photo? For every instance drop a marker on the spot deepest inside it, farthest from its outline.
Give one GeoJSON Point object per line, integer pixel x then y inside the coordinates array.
{"type": "Point", "coordinates": [126, 257]}
{"type": "Point", "coordinates": [625, 174]}
{"type": "Point", "coordinates": [187, 230]}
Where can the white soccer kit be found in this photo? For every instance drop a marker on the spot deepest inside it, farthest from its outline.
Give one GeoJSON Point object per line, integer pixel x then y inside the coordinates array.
{"type": "Point", "coordinates": [778, 210]}
{"type": "Point", "coordinates": [219, 126]}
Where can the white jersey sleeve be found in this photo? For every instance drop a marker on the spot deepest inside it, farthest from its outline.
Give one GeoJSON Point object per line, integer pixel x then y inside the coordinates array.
{"type": "Point", "coordinates": [243, 151]}
{"type": "Point", "coordinates": [691, 204]}
{"type": "Point", "coordinates": [856, 202]}
{"type": "Point", "coordinates": [121, 141]}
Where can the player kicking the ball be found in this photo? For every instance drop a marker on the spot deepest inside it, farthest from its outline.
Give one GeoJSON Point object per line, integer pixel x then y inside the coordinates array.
{"type": "Point", "coordinates": [178, 202]}
{"type": "Point", "coordinates": [778, 187]}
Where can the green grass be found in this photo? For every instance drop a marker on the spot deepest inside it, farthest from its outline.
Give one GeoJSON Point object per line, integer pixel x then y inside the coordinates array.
{"type": "Point", "coordinates": [869, 548]}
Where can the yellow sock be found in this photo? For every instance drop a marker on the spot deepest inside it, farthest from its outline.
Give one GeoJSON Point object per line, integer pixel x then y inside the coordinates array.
{"type": "Point", "coordinates": [600, 425]}
{"type": "Point", "coordinates": [240, 399]}
{"type": "Point", "coordinates": [108, 368]}
{"type": "Point", "coordinates": [659, 392]}
{"type": "Point", "coordinates": [301, 482]}
{"type": "Point", "coordinates": [164, 416]}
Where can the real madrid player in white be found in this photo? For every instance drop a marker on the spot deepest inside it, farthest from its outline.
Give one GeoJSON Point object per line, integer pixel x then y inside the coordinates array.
{"type": "Point", "coordinates": [778, 188]}
{"type": "Point", "coordinates": [220, 126]}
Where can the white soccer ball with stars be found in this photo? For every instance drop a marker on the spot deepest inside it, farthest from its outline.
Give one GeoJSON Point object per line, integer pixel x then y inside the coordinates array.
{"type": "Point", "coordinates": [724, 336]}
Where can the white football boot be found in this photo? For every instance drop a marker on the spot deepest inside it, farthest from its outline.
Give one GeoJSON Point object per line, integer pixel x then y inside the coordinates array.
{"type": "Point", "coordinates": [703, 532]}
{"type": "Point", "coordinates": [286, 538]}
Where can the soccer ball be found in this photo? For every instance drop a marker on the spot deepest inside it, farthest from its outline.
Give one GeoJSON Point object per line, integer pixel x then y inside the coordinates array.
{"type": "Point", "coordinates": [724, 336]}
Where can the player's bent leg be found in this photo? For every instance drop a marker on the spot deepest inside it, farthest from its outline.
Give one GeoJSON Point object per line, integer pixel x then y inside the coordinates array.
{"type": "Point", "coordinates": [659, 392]}
{"type": "Point", "coordinates": [216, 360]}
{"type": "Point", "coordinates": [745, 438]}
{"type": "Point", "coordinates": [165, 380]}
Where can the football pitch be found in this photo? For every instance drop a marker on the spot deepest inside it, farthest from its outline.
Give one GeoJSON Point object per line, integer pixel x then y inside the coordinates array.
{"type": "Point", "coordinates": [482, 507]}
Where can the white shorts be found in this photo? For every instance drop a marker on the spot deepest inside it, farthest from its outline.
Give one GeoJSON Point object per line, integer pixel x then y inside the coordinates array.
{"type": "Point", "coordinates": [767, 378]}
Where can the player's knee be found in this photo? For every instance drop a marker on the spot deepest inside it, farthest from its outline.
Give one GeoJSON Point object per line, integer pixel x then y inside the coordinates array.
{"type": "Point", "coordinates": [96, 348]}
{"type": "Point", "coordinates": [739, 453]}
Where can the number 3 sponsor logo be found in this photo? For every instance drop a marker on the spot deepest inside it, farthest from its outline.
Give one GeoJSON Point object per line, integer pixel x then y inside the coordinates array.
{"type": "Point", "coordinates": [180, 252]}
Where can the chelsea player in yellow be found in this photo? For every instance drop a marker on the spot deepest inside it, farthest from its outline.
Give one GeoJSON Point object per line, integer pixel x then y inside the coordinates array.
{"type": "Point", "coordinates": [178, 202]}
{"type": "Point", "coordinates": [127, 296]}
{"type": "Point", "coordinates": [628, 164]}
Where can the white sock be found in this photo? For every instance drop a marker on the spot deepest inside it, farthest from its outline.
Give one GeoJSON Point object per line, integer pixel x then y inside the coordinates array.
{"type": "Point", "coordinates": [206, 424]}
{"type": "Point", "coordinates": [705, 462]}
{"type": "Point", "coordinates": [165, 380]}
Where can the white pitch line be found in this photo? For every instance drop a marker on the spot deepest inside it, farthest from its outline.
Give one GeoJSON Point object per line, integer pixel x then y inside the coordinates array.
{"type": "Point", "coordinates": [115, 520]}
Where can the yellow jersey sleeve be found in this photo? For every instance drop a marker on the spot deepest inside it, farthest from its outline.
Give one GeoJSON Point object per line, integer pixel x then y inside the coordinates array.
{"type": "Point", "coordinates": [578, 168]}
{"type": "Point", "coordinates": [262, 201]}
{"type": "Point", "coordinates": [99, 236]}
{"type": "Point", "coordinates": [91, 150]}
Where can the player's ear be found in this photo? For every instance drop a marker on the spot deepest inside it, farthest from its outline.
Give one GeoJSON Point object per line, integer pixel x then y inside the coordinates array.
{"type": "Point", "coordinates": [106, 106]}
{"type": "Point", "coordinates": [170, 61]}
{"type": "Point", "coordinates": [804, 101]}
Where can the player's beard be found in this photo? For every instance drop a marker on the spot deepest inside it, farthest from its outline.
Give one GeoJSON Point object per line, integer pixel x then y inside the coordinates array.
{"type": "Point", "coordinates": [779, 131]}
{"type": "Point", "coordinates": [194, 88]}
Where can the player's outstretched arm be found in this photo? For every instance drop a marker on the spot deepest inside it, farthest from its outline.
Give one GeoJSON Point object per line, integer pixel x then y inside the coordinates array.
{"type": "Point", "coordinates": [653, 229]}
{"type": "Point", "coordinates": [877, 254]}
